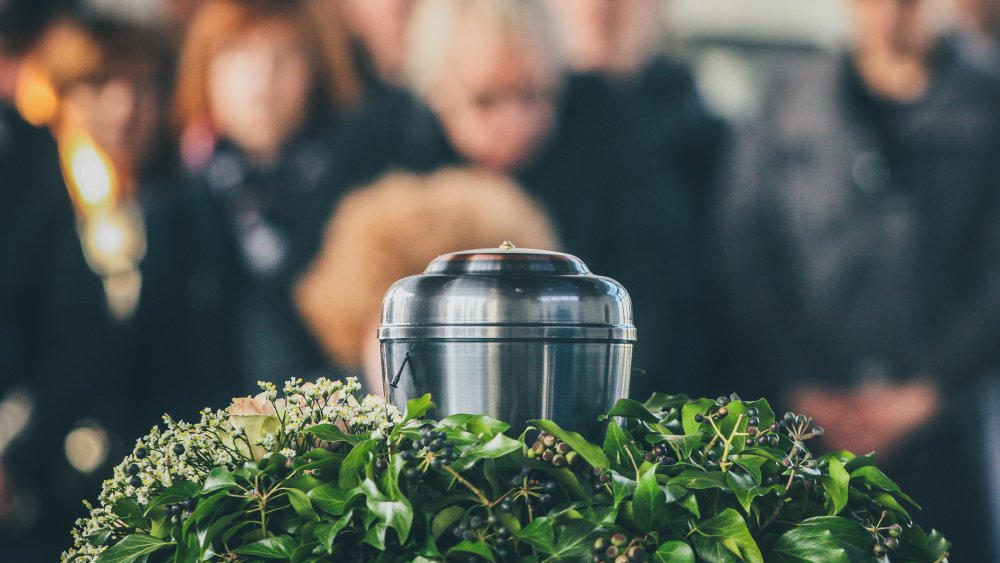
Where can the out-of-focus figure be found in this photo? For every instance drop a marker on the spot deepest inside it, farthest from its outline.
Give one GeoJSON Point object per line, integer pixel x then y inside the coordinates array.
{"type": "Point", "coordinates": [492, 91]}
{"type": "Point", "coordinates": [267, 80]}
{"type": "Point", "coordinates": [624, 40]}
{"type": "Point", "coordinates": [55, 372]}
{"type": "Point", "coordinates": [393, 229]}
{"type": "Point", "coordinates": [860, 253]}
{"type": "Point", "coordinates": [378, 37]}
{"type": "Point", "coordinates": [979, 38]}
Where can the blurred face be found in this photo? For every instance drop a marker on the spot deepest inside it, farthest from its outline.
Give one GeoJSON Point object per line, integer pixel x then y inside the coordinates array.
{"type": "Point", "coordinates": [380, 25]}
{"type": "Point", "coordinates": [892, 27]}
{"type": "Point", "coordinates": [259, 88]}
{"type": "Point", "coordinates": [121, 115]}
{"type": "Point", "coordinates": [497, 101]}
{"type": "Point", "coordinates": [604, 35]}
{"type": "Point", "coordinates": [982, 15]}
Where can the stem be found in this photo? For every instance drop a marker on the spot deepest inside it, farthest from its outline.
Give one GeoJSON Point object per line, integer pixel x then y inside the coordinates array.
{"type": "Point", "coordinates": [475, 490]}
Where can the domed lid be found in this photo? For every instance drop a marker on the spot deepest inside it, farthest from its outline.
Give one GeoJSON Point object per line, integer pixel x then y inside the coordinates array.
{"type": "Point", "coordinates": [507, 292]}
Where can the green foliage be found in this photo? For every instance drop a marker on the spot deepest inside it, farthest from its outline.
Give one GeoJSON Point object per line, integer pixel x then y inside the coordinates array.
{"type": "Point", "coordinates": [673, 480]}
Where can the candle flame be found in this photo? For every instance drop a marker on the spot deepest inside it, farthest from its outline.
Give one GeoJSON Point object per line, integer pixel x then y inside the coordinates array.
{"type": "Point", "coordinates": [35, 98]}
{"type": "Point", "coordinates": [90, 176]}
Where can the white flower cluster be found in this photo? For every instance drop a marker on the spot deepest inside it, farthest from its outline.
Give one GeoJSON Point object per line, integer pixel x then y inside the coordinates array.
{"type": "Point", "coordinates": [250, 429]}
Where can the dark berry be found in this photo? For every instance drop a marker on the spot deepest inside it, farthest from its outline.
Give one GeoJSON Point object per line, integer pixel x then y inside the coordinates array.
{"type": "Point", "coordinates": [635, 553]}
{"type": "Point", "coordinates": [801, 419]}
{"type": "Point", "coordinates": [892, 544]}
{"type": "Point", "coordinates": [135, 481]}
{"type": "Point", "coordinates": [605, 477]}
{"type": "Point", "coordinates": [753, 421]}
{"type": "Point", "coordinates": [773, 441]}
{"type": "Point", "coordinates": [140, 453]}
{"type": "Point", "coordinates": [551, 487]}
{"type": "Point", "coordinates": [506, 505]}
{"type": "Point", "coordinates": [190, 504]}
{"type": "Point", "coordinates": [549, 440]}
{"type": "Point", "coordinates": [699, 418]}
{"type": "Point", "coordinates": [880, 549]}
{"type": "Point", "coordinates": [468, 535]}
{"type": "Point", "coordinates": [649, 456]}
{"type": "Point", "coordinates": [407, 455]}
{"type": "Point", "coordinates": [721, 413]}
{"type": "Point", "coordinates": [722, 401]}
{"type": "Point", "coordinates": [179, 449]}
{"type": "Point", "coordinates": [734, 397]}
{"type": "Point", "coordinates": [619, 539]}
{"type": "Point", "coordinates": [380, 465]}
{"type": "Point", "coordinates": [774, 427]}
{"type": "Point", "coordinates": [600, 544]}
{"type": "Point", "coordinates": [410, 472]}
{"type": "Point", "coordinates": [133, 469]}
{"type": "Point", "coordinates": [752, 411]}
{"type": "Point", "coordinates": [503, 532]}
{"type": "Point", "coordinates": [492, 520]}
{"type": "Point", "coordinates": [435, 463]}
{"type": "Point", "coordinates": [750, 442]}
{"type": "Point", "coordinates": [476, 522]}
{"type": "Point", "coordinates": [545, 498]}
{"type": "Point", "coordinates": [516, 481]}
{"type": "Point", "coordinates": [547, 455]}
{"type": "Point", "coordinates": [752, 430]}
{"type": "Point", "coordinates": [559, 460]}
{"type": "Point", "coordinates": [818, 432]}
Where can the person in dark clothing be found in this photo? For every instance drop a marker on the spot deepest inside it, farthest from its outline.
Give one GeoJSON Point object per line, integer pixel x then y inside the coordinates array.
{"type": "Point", "coordinates": [859, 252]}
{"type": "Point", "coordinates": [269, 82]}
{"type": "Point", "coordinates": [504, 105]}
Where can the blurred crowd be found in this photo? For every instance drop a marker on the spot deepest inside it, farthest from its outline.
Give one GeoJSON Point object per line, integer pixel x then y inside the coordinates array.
{"type": "Point", "coordinates": [222, 198]}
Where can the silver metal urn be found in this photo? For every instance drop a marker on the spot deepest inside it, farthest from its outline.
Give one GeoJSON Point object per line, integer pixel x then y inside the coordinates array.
{"type": "Point", "coordinates": [515, 334]}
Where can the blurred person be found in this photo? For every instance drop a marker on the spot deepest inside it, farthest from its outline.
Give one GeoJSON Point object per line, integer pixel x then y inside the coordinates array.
{"type": "Point", "coordinates": [625, 41]}
{"type": "Point", "coordinates": [859, 243]}
{"type": "Point", "coordinates": [53, 324]}
{"type": "Point", "coordinates": [270, 81]}
{"type": "Point", "coordinates": [978, 38]}
{"type": "Point", "coordinates": [378, 37]}
{"type": "Point", "coordinates": [394, 228]}
{"type": "Point", "coordinates": [490, 90]}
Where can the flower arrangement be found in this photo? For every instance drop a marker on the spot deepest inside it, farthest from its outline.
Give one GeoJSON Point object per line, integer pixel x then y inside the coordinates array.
{"type": "Point", "coordinates": [321, 474]}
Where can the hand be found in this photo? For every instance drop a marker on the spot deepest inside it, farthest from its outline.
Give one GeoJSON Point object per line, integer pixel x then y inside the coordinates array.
{"type": "Point", "coordinates": [872, 417]}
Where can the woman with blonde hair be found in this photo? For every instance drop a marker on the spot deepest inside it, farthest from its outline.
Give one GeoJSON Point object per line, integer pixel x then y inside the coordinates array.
{"type": "Point", "coordinates": [393, 229]}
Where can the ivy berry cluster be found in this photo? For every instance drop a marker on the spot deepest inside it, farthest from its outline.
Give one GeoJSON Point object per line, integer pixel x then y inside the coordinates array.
{"type": "Point", "coordinates": [432, 450]}
{"type": "Point", "coordinates": [619, 548]}
{"type": "Point", "coordinates": [552, 450]}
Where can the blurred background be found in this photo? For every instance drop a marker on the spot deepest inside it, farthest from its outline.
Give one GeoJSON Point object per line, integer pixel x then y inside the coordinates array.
{"type": "Point", "coordinates": [803, 199]}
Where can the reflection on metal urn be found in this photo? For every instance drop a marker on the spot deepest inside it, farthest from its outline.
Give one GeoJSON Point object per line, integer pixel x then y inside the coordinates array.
{"type": "Point", "coordinates": [516, 334]}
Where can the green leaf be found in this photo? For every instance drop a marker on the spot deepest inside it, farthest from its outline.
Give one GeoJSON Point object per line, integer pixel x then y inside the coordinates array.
{"type": "Point", "coordinates": [301, 504]}
{"type": "Point", "coordinates": [208, 528]}
{"type": "Point", "coordinates": [326, 532]}
{"type": "Point", "coordinates": [826, 539]}
{"type": "Point", "coordinates": [855, 462]}
{"type": "Point", "coordinates": [590, 452]}
{"type": "Point", "coordinates": [333, 433]}
{"type": "Point", "coordinates": [376, 536]}
{"type": "Point", "coordinates": [478, 424]}
{"type": "Point", "coordinates": [277, 547]}
{"type": "Point", "coordinates": [475, 548]}
{"type": "Point", "coordinates": [649, 504]}
{"type": "Point", "coordinates": [886, 500]}
{"type": "Point", "coordinates": [744, 487]}
{"type": "Point", "coordinates": [218, 478]}
{"type": "Point", "coordinates": [133, 548]}
{"type": "Point", "coordinates": [658, 402]}
{"type": "Point", "coordinates": [352, 471]}
{"type": "Point", "coordinates": [417, 408]}
{"type": "Point", "coordinates": [574, 540]}
{"type": "Point", "coordinates": [206, 506]}
{"type": "Point", "coordinates": [873, 477]}
{"type": "Point", "coordinates": [751, 464]}
{"type": "Point", "coordinates": [397, 514]}
{"type": "Point", "coordinates": [539, 535]}
{"type": "Point", "coordinates": [697, 479]}
{"type": "Point", "coordinates": [332, 499]}
{"type": "Point", "coordinates": [173, 494]}
{"type": "Point", "coordinates": [729, 531]}
{"type": "Point", "coordinates": [700, 406]}
{"type": "Point", "coordinates": [499, 446]}
{"type": "Point", "coordinates": [126, 507]}
{"type": "Point", "coordinates": [630, 409]}
{"type": "Point", "coordinates": [444, 519]}
{"type": "Point", "coordinates": [683, 444]}
{"type": "Point", "coordinates": [835, 486]}
{"type": "Point", "coordinates": [674, 551]}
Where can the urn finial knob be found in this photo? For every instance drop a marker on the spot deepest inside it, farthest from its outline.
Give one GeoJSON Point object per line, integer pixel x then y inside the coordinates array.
{"type": "Point", "coordinates": [507, 245]}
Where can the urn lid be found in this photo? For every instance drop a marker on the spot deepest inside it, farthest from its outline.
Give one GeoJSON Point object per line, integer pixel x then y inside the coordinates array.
{"type": "Point", "coordinates": [507, 293]}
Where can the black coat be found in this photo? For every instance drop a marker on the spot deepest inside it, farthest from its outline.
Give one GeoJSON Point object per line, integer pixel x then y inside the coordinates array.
{"type": "Point", "coordinates": [859, 239]}
{"type": "Point", "coordinates": [599, 179]}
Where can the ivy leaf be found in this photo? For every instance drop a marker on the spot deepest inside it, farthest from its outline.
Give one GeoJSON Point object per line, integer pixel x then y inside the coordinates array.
{"type": "Point", "coordinates": [649, 503]}
{"type": "Point", "coordinates": [618, 446]}
{"type": "Point", "coordinates": [873, 477]}
{"type": "Point", "coordinates": [417, 408]}
{"type": "Point", "coordinates": [171, 495]}
{"type": "Point", "coordinates": [574, 540]}
{"type": "Point", "coordinates": [835, 486]}
{"type": "Point", "coordinates": [301, 504]}
{"type": "Point", "coordinates": [499, 446]}
{"type": "Point", "coordinates": [674, 551]}
{"type": "Point", "coordinates": [751, 464]}
{"type": "Point", "coordinates": [352, 471]}
{"type": "Point", "coordinates": [133, 548]}
{"type": "Point", "coordinates": [326, 532]}
{"type": "Point", "coordinates": [539, 535]}
{"type": "Point", "coordinates": [826, 539]}
{"type": "Point", "coordinates": [589, 452]}
{"type": "Point", "coordinates": [744, 487]}
{"type": "Point", "coordinates": [621, 487]}
{"type": "Point", "coordinates": [397, 514]}
{"type": "Point", "coordinates": [332, 499]}
{"type": "Point", "coordinates": [376, 536]}
{"type": "Point", "coordinates": [697, 479]}
{"type": "Point", "coordinates": [630, 409]}
{"type": "Point", "coordinates": [208, 528]}
{"type": "Point", "coordinates": [855, 462]}
{"type": "Point", "coordinates": [478, 424]}
{"type": "Point", "coordinates": [658, 402]}
{"type": "Point", "coordinates": [683, 444]}
{"type": "Point", "coordinates": [445, 519]}
{"type": "Point", "coordinates": [333, 433]}
{"type": "Point", "coordinates": [218, 478]}
{"type": "Point", "coordinates": [700, 406]}
{"type": "Point", "coordinates": [727, 531]}
{"type": "Point", "coordinates": [886, 500]}
{"type": "Point", "coordinates": [475, 548]}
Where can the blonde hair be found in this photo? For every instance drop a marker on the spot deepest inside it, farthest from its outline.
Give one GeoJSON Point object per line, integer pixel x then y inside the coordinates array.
{"type": "Point", "coordinates": [434, 25]}
{"type": "Point", "coordinates": [393, 229]}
